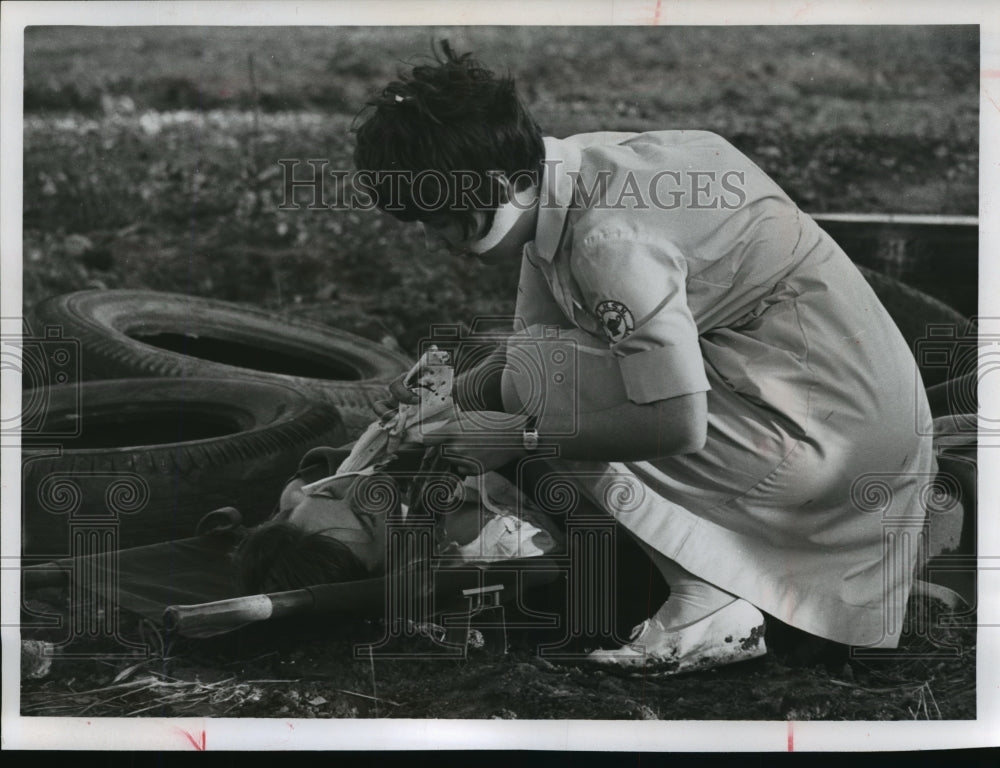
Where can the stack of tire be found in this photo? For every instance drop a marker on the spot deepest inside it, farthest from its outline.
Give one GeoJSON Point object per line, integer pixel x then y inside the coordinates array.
{"type": "Point", "coordinates": [945, 345]}
{"type": "Point", "coordinates": [185, 405]}
{"type": "Point", "coordinates": [212, 404]}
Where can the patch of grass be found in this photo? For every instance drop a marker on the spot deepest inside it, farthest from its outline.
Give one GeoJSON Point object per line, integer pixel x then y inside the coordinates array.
{"type": "Point", "coordinates": [682, 67]}
{"type": "Point", "coordinates": [151, 144]}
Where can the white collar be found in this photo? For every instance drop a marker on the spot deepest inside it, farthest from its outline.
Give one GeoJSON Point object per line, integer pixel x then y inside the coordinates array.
{"type": "Point", "coordinates": [504, 220]}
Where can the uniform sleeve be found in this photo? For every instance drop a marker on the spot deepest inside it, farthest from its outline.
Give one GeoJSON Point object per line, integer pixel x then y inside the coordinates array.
{"type": "Point", "coordinates": [635, 289]}
{"type": "Point", "coordinates": [535, 305]}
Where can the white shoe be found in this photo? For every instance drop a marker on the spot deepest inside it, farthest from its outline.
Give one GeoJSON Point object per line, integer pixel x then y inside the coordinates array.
{"type": "Point", "coordinates": [733, 633]}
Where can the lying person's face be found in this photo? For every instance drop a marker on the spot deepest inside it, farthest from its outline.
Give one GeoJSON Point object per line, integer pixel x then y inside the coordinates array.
{"type": "Point", "coordinates": [362, 533]}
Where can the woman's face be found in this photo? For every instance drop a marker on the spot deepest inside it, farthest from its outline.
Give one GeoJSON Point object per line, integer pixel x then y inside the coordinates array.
{"type": "Point", "coordinates": [444, 231]}
{"type": "Point", "coordinates": [492, 238]}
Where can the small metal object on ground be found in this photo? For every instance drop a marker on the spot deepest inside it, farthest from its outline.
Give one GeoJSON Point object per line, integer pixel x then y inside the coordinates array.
{"type": "Point", "coordinates": [484, 625]}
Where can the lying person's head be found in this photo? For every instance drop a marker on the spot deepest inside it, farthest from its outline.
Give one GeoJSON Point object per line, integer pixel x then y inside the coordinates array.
{"type": "Point", "coordinates": [446, 145]}
{"type": "Point", "coordinates": [322, 540]}
{"type": "Point", "coordinates": [279, 556]}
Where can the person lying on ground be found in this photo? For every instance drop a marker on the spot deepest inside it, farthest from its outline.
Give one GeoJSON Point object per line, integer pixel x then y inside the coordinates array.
{"type": "Point", "coordinates": [740, 374]}
{"type": "Point", "coordinates": [338, 532]}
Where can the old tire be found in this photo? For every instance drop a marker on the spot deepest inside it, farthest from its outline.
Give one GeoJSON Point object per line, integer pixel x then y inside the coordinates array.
{"type": "Point", "coordinates": [914, 312]}
{"type": "Point", "coordinates": [147, 458]}
{"type": "Point", "coordinates": [131, 333]}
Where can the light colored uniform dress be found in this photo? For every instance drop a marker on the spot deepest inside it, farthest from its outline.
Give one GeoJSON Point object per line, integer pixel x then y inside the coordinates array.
{"type": "Point", "coordinates": [699, 274]}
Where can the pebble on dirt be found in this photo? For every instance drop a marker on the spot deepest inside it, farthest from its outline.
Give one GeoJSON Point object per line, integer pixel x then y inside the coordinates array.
{"type": "Point", "coordinates": [78, 246]}
{"type": "Point", "coordinates": [36, 658]}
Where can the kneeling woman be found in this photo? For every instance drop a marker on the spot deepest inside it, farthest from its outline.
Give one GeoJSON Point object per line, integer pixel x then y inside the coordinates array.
{"type": "Point", "coordinates": [741, 373]}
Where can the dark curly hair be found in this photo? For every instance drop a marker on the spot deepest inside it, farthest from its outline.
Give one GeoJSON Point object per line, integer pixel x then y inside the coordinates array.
{"type": "Point", "coordinates": [455, 124]}
{"type": "Point", "coordinates": [278, 556]}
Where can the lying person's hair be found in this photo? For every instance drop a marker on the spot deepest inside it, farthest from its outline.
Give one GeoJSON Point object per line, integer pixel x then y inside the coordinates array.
{"type": "Point", "coordinates": [278, 556]}
{"type": "Point", "coordinates": [450, 123]}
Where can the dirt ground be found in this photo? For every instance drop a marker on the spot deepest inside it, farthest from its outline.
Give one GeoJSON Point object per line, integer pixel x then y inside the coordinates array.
{"type": "Point", "coordinates": [150, 161]}
{"type": "Point", "coordinates": [317, 667]}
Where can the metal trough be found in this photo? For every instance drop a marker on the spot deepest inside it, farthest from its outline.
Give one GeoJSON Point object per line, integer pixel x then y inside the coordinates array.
{"type": "Point", "coordinates": [938, 255]}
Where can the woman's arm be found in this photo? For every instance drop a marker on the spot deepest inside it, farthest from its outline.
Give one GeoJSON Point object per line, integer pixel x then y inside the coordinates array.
{"type": "Point", "coordinates": [620, 431]}
{"type": "Point", "coordinates": [479, 388]}
{"type": "Point", "coordinates": [630, 432]}
{"type": "Point", "coordinates": [624, 432]}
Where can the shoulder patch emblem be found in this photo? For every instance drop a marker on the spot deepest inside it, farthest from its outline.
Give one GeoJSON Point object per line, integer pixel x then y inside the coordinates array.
{"type": "Point", "coordinates": [616, 319]}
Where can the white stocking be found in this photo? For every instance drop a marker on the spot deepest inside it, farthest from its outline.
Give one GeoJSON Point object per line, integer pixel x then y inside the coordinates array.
{"type": "Point", "coordinates": [691, 598]}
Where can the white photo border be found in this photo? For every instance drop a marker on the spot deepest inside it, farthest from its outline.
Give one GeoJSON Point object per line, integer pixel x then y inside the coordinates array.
{"type": "Point", "coordinates": [271, 734]}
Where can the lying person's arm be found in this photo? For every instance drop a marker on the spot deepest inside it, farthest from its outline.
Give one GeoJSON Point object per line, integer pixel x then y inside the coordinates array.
{"type": "Point", "coordinates": [475, 389]}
